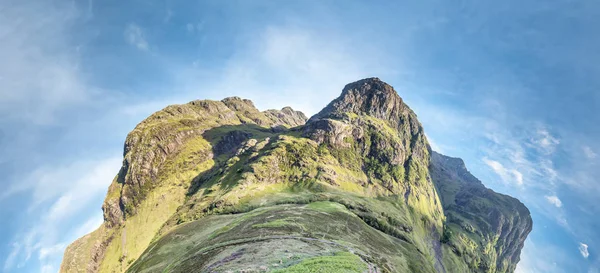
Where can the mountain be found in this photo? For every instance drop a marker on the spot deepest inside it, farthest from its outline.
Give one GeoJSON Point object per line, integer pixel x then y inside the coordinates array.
{"type": "Point", "coordinates": [219, 186]}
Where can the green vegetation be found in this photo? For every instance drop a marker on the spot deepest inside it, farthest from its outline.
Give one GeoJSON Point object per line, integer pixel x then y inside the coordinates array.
{"type": "Point", "coordinates": [344, 262]}
{"type": "Point", "coordinates": [270, 238]}
{"type": "Point", "coordinates": [276, 224]}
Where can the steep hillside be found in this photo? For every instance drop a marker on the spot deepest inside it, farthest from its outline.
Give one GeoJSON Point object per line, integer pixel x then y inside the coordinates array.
{"type": "Point", "coordinates": [162, 156]}
{"type": "Point", "coordinates": [487, 229]}
{"type": "Point", "coordinates": [222, 187]}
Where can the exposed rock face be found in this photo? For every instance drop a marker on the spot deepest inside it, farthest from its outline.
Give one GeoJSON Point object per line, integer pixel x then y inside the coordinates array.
{"type": "Point", "coordinates": [287, 116]}
{"type": "Point", "coordinates": [374, 98]}
{"type": "Point", "coordinates": [501, 223]}
{"type": "Point", "coordinates": [358, 178]}
{"type": "Point", "coordinates": [162, 134]}
{"type": "Point", "coordinates": [370, 118]}
{"type": "Point", "coordinates": [162, 147]}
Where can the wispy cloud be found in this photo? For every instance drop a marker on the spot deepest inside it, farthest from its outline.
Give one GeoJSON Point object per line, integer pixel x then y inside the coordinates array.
{"type": "Point", "coordinates": [532, 262]}
{"type": "Point", "coordinates": [583, 249]}
{"type": "Point", "coordinates": [515, 150]}
{"type": "Point", "coordinates": [284, 63]}
{"type": "Point", "coordinates": [195, 27]}
{"type": "Point", "coordinates": [554, 200]}
{"type": "Point", "coordinates": [81, 184]}
{"type": "Point", "coordinates": [545, 141]}
{"type": "Point", "coordinates": [135, 36]}
{"type": "Point", "coordinates": [190, 27]}
{"type": "Point", "coordinates": [88, 226]}
{"type": "Point", "coordinates": [589, 152]}
{"type": "Point", "coordinates": [433, 144]}
{"type": "Point", "coordinates": [11, 259]}
{"type": "Point", "coordinates": [510, 176]}
{"type": "Point", "coordinates": [36, 85]}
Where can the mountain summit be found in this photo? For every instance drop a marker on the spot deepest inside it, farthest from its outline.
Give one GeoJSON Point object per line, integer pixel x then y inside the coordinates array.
{"type": "Point", "coordinates": [369, 96]}
{"type": "Point", "coordinates": [219, 186]}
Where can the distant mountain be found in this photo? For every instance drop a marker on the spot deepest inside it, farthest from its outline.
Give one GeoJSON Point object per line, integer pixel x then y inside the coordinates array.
{"type": "Point", "coordinates": [219, 186]}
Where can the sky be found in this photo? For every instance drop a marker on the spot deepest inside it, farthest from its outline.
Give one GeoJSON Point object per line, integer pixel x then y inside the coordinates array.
{"type": "Point", "coordinates": [512, 87]}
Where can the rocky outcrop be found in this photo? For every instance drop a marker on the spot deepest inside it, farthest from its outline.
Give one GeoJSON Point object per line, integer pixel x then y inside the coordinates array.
{"type": "Point", "coordinates": [162, 147]}
{"type": "Point", "coordinates": [374, 98]}
{"type": "Point", "coordinates": [162, 135]}
{"type": "Point", "coordinates": [499, 222]}
{"type": "Point", "coordinates": [247, 112]}
{"type": "Point", "coordinates": [286, 117]}
{"type": "Point", "coordinates": [369, 118]}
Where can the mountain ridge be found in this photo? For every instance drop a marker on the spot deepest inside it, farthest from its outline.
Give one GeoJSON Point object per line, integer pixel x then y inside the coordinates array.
{"type": "Point", "coordinates": [231, 169]}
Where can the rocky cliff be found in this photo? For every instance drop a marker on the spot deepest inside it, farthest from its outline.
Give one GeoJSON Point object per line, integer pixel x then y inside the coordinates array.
{"type": "Point", "coordinates": [219, 186]}
{"type": "Point", "coordinates": [485, 228]}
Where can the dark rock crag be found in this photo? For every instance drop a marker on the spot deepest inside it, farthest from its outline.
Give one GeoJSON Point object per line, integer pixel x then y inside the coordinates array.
{"type": "Point", "coordinates": [498, 222]}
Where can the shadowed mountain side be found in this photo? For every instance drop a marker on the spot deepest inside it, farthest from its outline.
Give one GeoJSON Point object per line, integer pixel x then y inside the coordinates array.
{"type": "Point", "coordinates": [486, 228]}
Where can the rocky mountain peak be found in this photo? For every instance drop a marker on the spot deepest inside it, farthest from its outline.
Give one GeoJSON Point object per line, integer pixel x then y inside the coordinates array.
{"type": "Point", "coordinates": [369, 96]}
{"type": "Point", "coordinates": [288, 116]}
{"type": "Point", "coordinates": [454, 164]}
{"type": "Point", "coordinates": [239, 104]}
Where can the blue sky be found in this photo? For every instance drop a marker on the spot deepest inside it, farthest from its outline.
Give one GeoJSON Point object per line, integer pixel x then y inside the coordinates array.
{"type": "Point", "coordinates": [512, 87]}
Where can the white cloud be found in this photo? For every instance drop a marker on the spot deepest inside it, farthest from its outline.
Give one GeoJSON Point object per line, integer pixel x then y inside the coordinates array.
{"type": "Point", "coordinates": [516, 155]}
{"type": "Point", "coordinates": [523, 165]}
{"type": "Point", "coordinates": [518, 176]}
{"type": "Point", "coordinates": [583, 249]}
{"type": "Point", "coordinates": [562, 221]}
{"type": "Point", "coordinates": [135, 37]}
{"type": "Point", "coordinates": [36, 84]}
{"type": "Point", "coordinates": [554, 200]}
{"type": "Point", "coordinates": [532, 262]}
{"type": "Point", "coordinates": [51, 250]}
{"type": "Point", "coordinates": [88, 226]}
{"type": "Point", "coordinates": [47, 269]}
{"type": "Point", "coordinates": [588, 152]}
{"type": "Point", "coordinates": [545, 141]}
{"type": "Point", "coordinates": [77, 187]}
{"type": "Point", "coordinates": [195, 28]}
{"type": "Point", "coordinates": [11, 259]}
{"type": "Point", "coordinates": [549, 172]}
{"type": "Point", "coordinates": [433, 144]}
{"type": "Point", "coordinates": [282, 65]}
{"type": "Point", "coordinates": [190, 27]}
{"type": "Point", "coordinates": [59, 182]}
{"type": "Point", "coordinates": [509, 176]}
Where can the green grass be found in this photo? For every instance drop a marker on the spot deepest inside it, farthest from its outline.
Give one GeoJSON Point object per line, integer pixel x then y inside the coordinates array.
{"type": "Point", "coordinates": [274, 224]}
{"type": "Point", "coordinates": [326, 206]}
{"type": "Point", "coordinates": [269, 237]}
{"type": "Point", "coordinates": [342, 262]}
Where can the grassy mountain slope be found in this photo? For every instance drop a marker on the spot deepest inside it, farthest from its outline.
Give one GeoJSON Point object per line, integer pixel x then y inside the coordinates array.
{"type": "Point", "coordinates": [222, 187]}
